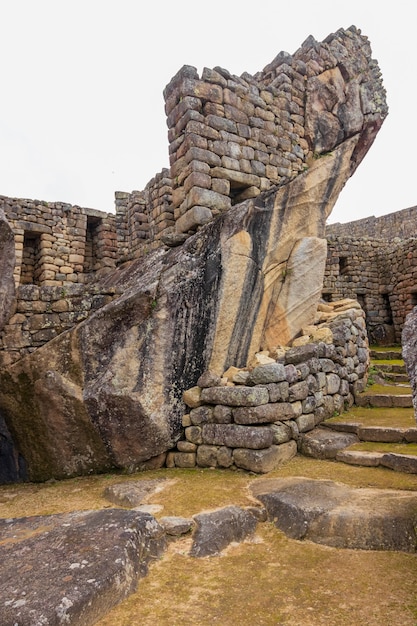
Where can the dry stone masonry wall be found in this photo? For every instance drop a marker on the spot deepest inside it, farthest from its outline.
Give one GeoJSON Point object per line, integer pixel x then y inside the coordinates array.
{"type": "Point", "coordinates": [253, 418]}
{"type": "Point", "coordinates": [375, 260]}
{"type": "Point", "coordinates": [232, 137]}
{"type": "Point", "coordinates": [42, 313]}
{"type": "Point", "coordinates": [59, 244]}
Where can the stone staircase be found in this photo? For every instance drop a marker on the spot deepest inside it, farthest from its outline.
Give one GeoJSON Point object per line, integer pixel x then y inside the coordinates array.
{"type": "Point", "coordinates": [381, 429]}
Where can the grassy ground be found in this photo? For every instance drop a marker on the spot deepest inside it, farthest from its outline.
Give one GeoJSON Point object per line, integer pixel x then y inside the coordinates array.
{"type": "Point", "coordinates": [267, 581]}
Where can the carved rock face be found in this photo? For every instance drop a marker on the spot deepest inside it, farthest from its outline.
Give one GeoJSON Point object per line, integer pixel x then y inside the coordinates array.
{"type": "Point", "coordinates": [109, 392]}
{"type": "Point", "coordinates": [7, 261]}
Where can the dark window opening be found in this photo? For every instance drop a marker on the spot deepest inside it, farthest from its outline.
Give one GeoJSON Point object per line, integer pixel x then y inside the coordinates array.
{"type": "Point", "coordinates": [361, 299]}
{"type": "Point", "coordinates": [91, 261]}
{"type": "Point", "coordinates": [413, 298]}
{"type": "Point", "coordinates": [327, 297]}
{"type": "Point", "coordinates": [31, 271]}
{"type": "Point", "coordinates": [387, 309]}
{"type": "Point", "coordinates": [239, 192]}
{"type": "Point", "coordinates": [343, 265]}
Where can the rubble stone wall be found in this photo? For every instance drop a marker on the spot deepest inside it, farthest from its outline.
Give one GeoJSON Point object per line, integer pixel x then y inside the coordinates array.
{"type": "Point", "coordinates": [42, 313]}
{"type": "Point", "coordinates": [402, 223]}
{"type": "Point", "coordinates": [380, 274]}
{"type": "Point", "coordinates": [252, 419]}
{"type": "Point", "coordinates": [57, 243]}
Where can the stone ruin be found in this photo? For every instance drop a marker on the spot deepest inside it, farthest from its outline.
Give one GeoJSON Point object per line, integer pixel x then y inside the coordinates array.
{"type": "Point", "coordinates": [219, 260]}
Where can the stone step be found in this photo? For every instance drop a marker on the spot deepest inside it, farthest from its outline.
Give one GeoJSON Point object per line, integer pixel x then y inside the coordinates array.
{"type": "Point", "coordinates": [389, 353]}
{"type": "Point", "coordinates": [385, 434]}
{"type": "Point", "coordinates": [347, 448]}
{"type": "Point", "coordinates": [389, 367]}
{"type": "Point", "coordinates": [398, 462]}
{"type": "Point", "coordinates": [394, 377]}
{"type": "Point", "coordinates": [369, 399]}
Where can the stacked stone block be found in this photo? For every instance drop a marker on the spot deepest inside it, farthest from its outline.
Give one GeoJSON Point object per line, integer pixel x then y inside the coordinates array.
{"type": "Point", "coordinates": [42, 313]}
{"type": "Point", "coordinates": [402, 223]}
{"type": "Point", "coordinates": [144, 217]}
{"type": "Point", "coordinates": [52, 247]}
{"type": "Point", "coordinates": [381, 274]}
{"type": "Point", "coordinates": [252, 418]}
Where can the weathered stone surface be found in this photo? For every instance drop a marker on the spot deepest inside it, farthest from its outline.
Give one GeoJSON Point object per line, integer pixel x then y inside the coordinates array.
{"type": "Point", "coordinates": [73, 568]}
{"type": "Point", "coordinates": [268, 373]}
{"type": "Point", "coordinates": [7, 262]}
{"type": "Point", "coordinates": [323, 443]}
{"type": "Point", "coordinates": [267, 413]}
{"type": "Point", "coordinates": [235, 396]}
{"type": "Point", "coordinates": [132, 493]}
{"type": "Point", "coordinates": [337, 515]}
{"type": "Point", "coordinates": [409, 351]}
{"type": "Point", "coordinates": [108, 393]}
{"type": "Point", "coordinates": [400, 462]}
{"type": "Point", "coordinates": [264, 461]}
{"type": "Point", "coordinates": [218, 529]}
{"type": "Point", "coordinates": [12, 464]}
{"type": "Point", "coordinates": [302, 285]}
{"type": "Point", "coordinates": [176, 526]}
{"type": "Point", "coordinates": [235, 436]}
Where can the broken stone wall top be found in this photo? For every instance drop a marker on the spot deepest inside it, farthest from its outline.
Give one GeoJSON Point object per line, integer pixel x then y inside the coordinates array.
{"type": "Point", "coordinates": [230, 138]}
{"type": "Point", "coordinates": [402, 224]}
{"type": "Point", "coordinates": [233, 137]}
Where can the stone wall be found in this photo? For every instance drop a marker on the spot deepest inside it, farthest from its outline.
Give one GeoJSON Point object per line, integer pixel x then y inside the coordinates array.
{"type": "Point", "coordinates": [59, 244]}
{"type": "Point", "coordinates": [380, 274]}
{"type": "Point", "coordinates": [401, 224]}
{"type": "Point", "coordinates": [232, 137]}
{"type": "Point", "coordinates": [42, 313]}
{"type": "Point", "coordinates": [252, 418]}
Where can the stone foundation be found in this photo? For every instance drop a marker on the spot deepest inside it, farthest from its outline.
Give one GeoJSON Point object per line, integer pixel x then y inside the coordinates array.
{"type": "Point", "coordinates": [251, 418]}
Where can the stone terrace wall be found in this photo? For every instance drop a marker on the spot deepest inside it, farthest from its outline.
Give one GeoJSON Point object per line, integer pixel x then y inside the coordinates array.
{"type": "Point", "coordinates": [42, 313]}
{"type": "Point", "coordinates": [253, 419]}
{"type": "Point", "coordinates": [59, 244]}
{"type": "Point", "coordinates": [381, 274]}
{"type": "Point", "coordinates": [401, 224]}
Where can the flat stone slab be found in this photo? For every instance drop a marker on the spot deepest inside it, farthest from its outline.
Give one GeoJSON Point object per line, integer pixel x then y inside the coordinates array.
{"type": "Point", "coordinates": [384, 400]}
{"type": "Point", "coordinates": [400, 462]}
{"type": "Point", "coordinates": [132, 493]}
{"type": "Point", "coordinates": [337, 515]}
{"type": "Point", "coordinates": [360, 457]}
{"type": "Point", "coordinates": [324, 443]}
{"type": "Point", "coordinates": [73, 568]}
{"type": "Point", "coordinates": [384, 434]}
{"type": "Point", "coordinates": [218, 529]}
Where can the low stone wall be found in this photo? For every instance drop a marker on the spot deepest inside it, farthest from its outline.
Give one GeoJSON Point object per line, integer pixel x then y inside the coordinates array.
{"type": "Point", "coordinates": [43, 313]}
{"type": "Point", "coordinates": [251, 418]}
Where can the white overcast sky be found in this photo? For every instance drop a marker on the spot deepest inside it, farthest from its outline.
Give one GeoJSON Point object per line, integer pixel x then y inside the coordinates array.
{"type": "Point", "coordinates": [82, 111]}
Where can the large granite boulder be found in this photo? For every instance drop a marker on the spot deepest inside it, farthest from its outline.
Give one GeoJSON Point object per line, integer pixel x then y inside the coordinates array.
{"type": "Point", "coordinates": [108, 393]}
{"type": "Point", "coordinates": [7, 262]}
{"type": "Point", "coordinates": [409, 351]}
{"type": "Point", "coordinates": [73, 568]}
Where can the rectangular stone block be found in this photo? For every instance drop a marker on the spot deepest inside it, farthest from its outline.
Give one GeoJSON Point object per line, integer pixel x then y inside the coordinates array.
{"type": "Point", "coordinates": [235, 396]}
{"type": "Point", "coordinates": [263, 461]}
{"type": "Point", "coordinates": [266, 413]}
{"type": "Point", "coordinates": [234, 436]}
{"type": "Point", "coordinates": [208, 198]}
